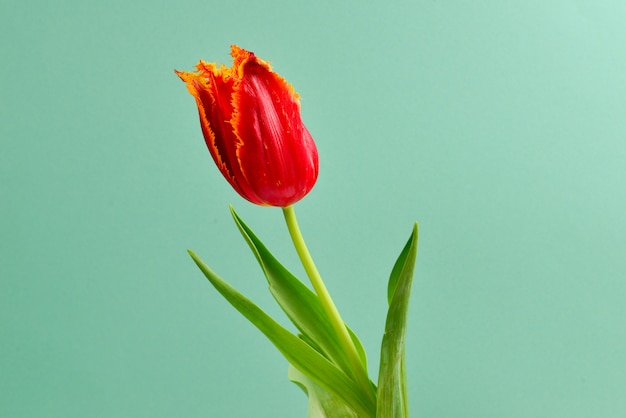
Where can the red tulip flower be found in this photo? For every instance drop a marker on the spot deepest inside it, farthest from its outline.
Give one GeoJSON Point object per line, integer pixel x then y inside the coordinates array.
{"type": "Point", "coordinates": [250, 118]}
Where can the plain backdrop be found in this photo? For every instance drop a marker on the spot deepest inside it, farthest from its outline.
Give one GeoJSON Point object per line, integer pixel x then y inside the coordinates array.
{"type": "Point", "coordinates": [499, 125]}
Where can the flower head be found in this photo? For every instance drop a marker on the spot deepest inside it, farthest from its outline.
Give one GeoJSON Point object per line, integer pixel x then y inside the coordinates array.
{"type": "Point", "coordinates": [250, 118]}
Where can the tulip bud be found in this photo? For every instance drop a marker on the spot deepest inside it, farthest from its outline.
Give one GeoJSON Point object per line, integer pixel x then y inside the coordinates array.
{"type": "Point", "coordinates": [250, 119]}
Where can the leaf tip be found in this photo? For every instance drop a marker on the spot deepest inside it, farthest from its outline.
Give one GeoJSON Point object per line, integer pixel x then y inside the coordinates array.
{"type": "Point", "coordinates": [194, 257]}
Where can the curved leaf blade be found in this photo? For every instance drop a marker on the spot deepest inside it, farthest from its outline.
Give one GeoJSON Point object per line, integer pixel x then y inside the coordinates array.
{"type": "Point", "coordinates": [299, 303]}
{"type": "Point", "coordinates": [392, 391]}
{"type": "Point", "coordinates": [311, 363]}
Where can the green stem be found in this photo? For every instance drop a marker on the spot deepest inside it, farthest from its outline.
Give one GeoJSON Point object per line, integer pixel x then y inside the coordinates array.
{"type": "Point", "coordinates": [328, 305]}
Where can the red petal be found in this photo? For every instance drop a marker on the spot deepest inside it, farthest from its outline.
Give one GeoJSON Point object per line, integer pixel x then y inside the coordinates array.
{"type": "Point", "coordinates": [277, 154]}
{"type": "Point", "coordinates": [213, 91]}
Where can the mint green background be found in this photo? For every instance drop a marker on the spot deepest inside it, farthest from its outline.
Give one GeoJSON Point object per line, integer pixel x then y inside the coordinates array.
{"type": "Point", "coordinates": [499, 125]}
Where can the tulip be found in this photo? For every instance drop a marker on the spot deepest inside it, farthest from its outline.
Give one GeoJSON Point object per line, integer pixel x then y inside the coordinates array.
{"type": "Point", "coordinates": [250, 119]}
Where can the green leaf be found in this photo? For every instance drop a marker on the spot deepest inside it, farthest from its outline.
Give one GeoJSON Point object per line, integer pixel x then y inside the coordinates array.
{"type": "Point", "coordinates": [392, 391]}
{"type": "Point", "coordinates": [322, 404]}
{"type": "Point", "coordinates": [296, 351]}
{"type": "Point", "coordinates": [301, 305]}
{"type": "Point", "coordinates": [397, 271]}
